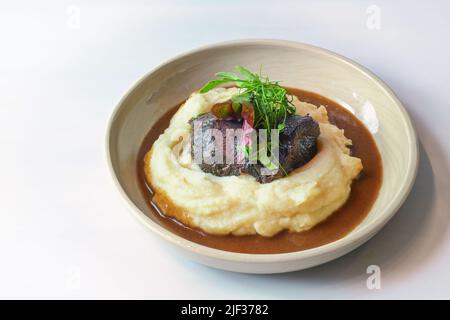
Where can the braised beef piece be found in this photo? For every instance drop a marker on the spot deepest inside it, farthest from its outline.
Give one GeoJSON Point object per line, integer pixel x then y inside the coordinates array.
{"type": "Point", "coordinates": [298, 145]}
{"type": "Point", "coordinates": [208, 142]}
{"type": "Point", "coordinates": [261, 173]}
{"type": "Point", "coordinates": [298, 141]}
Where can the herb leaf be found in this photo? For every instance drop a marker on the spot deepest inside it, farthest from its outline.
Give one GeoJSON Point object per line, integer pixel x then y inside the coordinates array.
{"type": "Point", "coordinates": [247, 74]}
{"type": "Point", "coordinates": [228, 75]}
{"type": "Point", "coordinates": [270, 100]}
{"type": "Point", "coordinates": [212, 84]}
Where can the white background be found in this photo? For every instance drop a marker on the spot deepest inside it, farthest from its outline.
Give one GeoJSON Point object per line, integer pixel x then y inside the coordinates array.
{"type": "Point", "coordinates": [64, 232]}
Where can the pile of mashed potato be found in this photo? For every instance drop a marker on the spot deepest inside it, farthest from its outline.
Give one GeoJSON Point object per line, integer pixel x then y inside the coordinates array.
{"type": "Point", "coordinates": [240, 205]}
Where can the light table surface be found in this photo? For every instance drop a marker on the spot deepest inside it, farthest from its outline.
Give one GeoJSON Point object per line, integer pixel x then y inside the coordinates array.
{"type": "Point", "coordinates": [65, 233]}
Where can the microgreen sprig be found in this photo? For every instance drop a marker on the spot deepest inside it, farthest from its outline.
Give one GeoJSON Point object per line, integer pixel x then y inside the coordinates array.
{"type": "Point", "coordinates": [271, 104]}
{"type": "Point", "coordinates": [270, 101]}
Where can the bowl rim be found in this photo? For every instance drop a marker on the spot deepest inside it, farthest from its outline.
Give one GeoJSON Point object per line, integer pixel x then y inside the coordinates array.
{"type": "Point", "coordinates": [359, 235]}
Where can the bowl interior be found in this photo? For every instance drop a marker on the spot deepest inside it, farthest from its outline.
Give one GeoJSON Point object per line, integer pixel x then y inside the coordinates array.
{"type": "Point", "coordinates": [297, 65]}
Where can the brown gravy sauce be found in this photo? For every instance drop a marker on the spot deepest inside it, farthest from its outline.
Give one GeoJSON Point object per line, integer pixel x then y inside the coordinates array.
{"type": "Point", "coordinates": [340, 223]}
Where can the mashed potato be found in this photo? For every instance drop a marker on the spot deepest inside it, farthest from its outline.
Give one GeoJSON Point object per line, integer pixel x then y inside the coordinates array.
{"type": "Point", "coordinates": [240, 205]}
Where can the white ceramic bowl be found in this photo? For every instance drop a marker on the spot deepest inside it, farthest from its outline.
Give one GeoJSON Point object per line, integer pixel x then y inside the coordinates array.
{"type": "Point", "coordinates": [298, 65]}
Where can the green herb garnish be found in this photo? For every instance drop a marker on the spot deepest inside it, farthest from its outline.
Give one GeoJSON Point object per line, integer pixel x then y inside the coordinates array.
{"type": "Point", "coordinates": [270, 101]}
{"type": "Point", "coordinates": [263, 103]}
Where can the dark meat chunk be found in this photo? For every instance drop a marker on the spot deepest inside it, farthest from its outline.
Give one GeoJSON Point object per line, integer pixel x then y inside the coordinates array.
{"type": "Point", "coordinates": [298, 145]}
{"type": "Point", "coordinates": [210, 135]}
{"type": "Point", "coordinates": [298, 141]}
{"type": "Point", "coordinates": [262, 174]}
